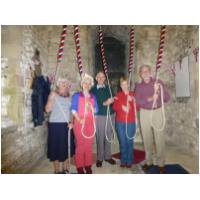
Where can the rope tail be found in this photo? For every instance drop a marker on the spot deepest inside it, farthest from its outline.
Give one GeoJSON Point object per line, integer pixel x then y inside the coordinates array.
{"type": "Point", "coordinates": [105, 67]}
{"type": "Point", "coordinates": [158, 66]}
{"type": "Point", "coordinates": [83, 125]}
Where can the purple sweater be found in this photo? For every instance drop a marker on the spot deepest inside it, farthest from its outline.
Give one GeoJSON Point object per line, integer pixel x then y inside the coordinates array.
{"type": "Point", "coordinates": [145, 90]}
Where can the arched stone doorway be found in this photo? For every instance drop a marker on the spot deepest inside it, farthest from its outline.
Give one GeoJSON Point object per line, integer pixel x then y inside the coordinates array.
{"type": "Point", "coordinates": [115, 57]}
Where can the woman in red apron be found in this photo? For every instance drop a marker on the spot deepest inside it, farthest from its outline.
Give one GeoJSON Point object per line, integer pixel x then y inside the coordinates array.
{"type": "Point", "coordinates": [84, 106]}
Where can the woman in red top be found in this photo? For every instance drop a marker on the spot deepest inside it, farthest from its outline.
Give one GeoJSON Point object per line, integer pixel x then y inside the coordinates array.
{"type": "Point", "coordinates": [125, 122]}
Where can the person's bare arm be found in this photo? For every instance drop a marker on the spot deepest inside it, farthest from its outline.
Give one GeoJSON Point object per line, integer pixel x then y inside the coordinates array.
{"type": "Point", "coordinates": [50, 102]}
{"type": "Point", "coordinates": [75, 114]}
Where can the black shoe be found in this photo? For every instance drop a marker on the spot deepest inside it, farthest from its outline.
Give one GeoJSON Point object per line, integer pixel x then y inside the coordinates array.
{"type": "Point", "coordinates": [128, 166]}
{"type": "Point", "coordinates": [80, 170]}
{"type": "Point", "coordinates": [66, 171]}
{"type": "Point", "coordinates": [145, 167]}
{"type": "Point", "coordinates": [111, 161]}
{"type": "Point", "coordinates": [58, 172]}
{"type": "Point", "coordinates": [123, 165]}
{"type": "Point", "coordinates": [88, 170]}
{"type": "Point", "coordinates": [99, 163]}
{"type": "Point", "coordinates": [162, 170]}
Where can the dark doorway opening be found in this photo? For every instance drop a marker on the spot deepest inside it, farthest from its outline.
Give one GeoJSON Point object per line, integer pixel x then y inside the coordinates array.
{"type": "Point", "coordinates": [115, 57]}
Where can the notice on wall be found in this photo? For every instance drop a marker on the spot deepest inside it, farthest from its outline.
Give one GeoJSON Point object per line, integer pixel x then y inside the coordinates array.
{"type": "Point", "coordinates": [182, 78]}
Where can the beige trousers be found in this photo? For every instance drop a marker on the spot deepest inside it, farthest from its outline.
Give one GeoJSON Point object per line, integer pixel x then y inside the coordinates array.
{"type": "Point", "coordinates": [153, 138]}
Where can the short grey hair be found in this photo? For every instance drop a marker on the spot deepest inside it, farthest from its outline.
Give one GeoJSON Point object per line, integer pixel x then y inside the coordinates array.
{"type": "Point", "coordinates": [100, 72]}
{"type": "Point", "coordinates": [60, 80]}
{"type": "Point", "coordinates": [143, 66]}
{"type": "Point", "coordinates": [87, 77]}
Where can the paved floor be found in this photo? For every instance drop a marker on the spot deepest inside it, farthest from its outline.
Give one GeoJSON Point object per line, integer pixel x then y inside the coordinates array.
{"type": "Point", "coordinates": [173, 155]}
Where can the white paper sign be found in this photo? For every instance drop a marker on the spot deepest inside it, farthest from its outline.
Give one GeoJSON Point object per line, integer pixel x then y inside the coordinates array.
{"type": "Point", "coordinates": [182, 79]}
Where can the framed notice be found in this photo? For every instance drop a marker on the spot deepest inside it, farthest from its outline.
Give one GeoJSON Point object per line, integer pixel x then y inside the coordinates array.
{"type": "Point", "coordinates": [182, 79]}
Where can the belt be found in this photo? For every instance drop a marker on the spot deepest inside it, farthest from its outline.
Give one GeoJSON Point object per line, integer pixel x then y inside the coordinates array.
{"type": "Point", "coordinates": [151, 108]}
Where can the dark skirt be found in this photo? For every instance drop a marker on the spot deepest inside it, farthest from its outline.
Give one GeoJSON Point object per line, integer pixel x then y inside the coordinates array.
{"type": "Point", "coordinates": [58, 142]}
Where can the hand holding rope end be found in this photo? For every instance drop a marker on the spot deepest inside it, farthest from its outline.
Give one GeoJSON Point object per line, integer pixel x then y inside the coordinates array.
{"type": "Point", "coordinates": [156, 87]}
{"type": "Point", "coordinates": [70, 125]}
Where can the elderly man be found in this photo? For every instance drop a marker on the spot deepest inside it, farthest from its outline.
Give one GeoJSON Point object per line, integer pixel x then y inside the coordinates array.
{"type": "Point", "coordinates": [101, 91]}
{"type": "Point", "coordinates": [147, 92]}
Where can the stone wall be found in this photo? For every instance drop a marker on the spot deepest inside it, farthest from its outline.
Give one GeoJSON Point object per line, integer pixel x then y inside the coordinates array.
{"type": "Point", "coordinates": [181, 114]}
{"type": "Point", "coordinates": [22, 145]}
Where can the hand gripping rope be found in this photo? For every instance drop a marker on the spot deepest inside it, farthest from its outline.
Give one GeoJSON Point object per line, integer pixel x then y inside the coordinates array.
{"type": "Point", "coordinates": [84, 117]}
{"type": "Point", "coordinates": [158, 65]}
